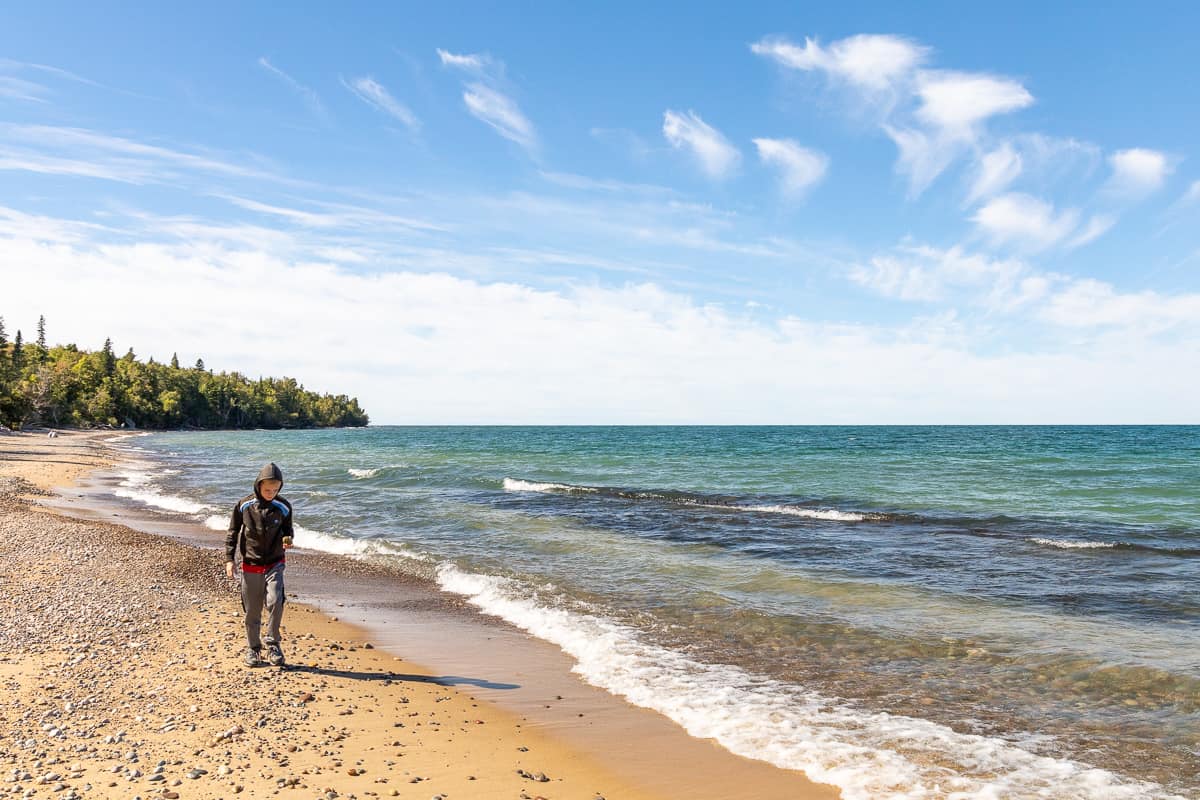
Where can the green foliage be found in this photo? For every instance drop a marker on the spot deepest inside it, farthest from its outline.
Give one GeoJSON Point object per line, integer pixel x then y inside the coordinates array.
{"type": "Point", "coordinates": [69, 386]}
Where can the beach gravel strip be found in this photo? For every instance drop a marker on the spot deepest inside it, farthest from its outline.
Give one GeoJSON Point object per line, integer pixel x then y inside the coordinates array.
{"type": "Point", "coordinates": [119, 676]}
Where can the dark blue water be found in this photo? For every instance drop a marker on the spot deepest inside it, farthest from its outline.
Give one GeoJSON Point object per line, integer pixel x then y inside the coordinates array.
{"type": "Point", "coordinates": [942, 609]}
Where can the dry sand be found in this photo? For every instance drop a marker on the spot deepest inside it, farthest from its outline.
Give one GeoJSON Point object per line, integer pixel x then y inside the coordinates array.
{"type": "Point", "coordinates": [121, 677]}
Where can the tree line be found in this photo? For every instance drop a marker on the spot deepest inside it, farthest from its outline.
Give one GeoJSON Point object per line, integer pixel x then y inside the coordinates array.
{"type": "Point", "coordinates": [65, 386]}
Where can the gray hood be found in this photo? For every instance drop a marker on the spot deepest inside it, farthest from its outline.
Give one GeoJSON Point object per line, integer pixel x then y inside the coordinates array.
{"type": "Point", "coordinates": [270, 472]}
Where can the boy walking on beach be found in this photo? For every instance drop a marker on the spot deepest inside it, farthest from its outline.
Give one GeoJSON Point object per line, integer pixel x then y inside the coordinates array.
{"type": "Point", "coordinates": [261, 530]}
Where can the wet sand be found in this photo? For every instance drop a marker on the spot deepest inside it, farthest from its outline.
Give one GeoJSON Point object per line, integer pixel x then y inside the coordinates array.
{"type": "Point", "coordinates": [120, 663]}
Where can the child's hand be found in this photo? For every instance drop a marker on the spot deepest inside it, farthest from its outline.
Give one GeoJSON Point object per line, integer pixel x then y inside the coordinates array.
{"type": "Point", "coordinates": [229, 569]}
{"type": "Point", "coordinates": [287, 542]}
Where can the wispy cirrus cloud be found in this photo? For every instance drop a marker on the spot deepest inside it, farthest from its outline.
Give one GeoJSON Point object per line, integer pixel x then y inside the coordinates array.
{"type": "Point", "coordinates": [15, 88]}
{"type": "Point", "coordinates": [994, 172]}
{"type": "Point", "coordinates": [871, 62]}
{"type": "Point", "coordinates": [58, 150]}
{"type": "Point", "coordinates": [1097, 225]}
{"type": "Point", "coordinates": [337, 216]}
{"type": "Point", "coordinates": [308, 95]}
{"type": "Point", "coordinates": [717, 157]}
{"type": "Point", "coordinates": [498, 110]}
{"type": "Point", "coordinates": [486, 98]}
{"type": "Point", "coordinates": [468, 61]}
{"type": "Point", "coordinates": [376, 95]}
{"type": "Point", "coordinates": [800, 167]}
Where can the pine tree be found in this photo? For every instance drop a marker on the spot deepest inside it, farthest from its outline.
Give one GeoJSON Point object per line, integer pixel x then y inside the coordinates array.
{"type": "Point", "coordinates": [174, 361]}
{"type": "Point", "coordinates": [41, 342]}
{"type": "Point", "coordinates": [110, 358]}
{"type": "Point", "coordinates": [200, 365]}
{"type": "Point", "coordinates": [17, 355]}
{"type": "Point", "coordinates": [3, 335]}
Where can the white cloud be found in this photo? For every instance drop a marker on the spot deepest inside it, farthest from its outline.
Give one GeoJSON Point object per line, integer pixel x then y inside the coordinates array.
{"type": "Point", "coordinates": [462, 351]}
{"type": "Point", "coordinates": [1088, 303]}
{"type": "Point", "coordinates": [921, 273]}
{"type": "Point", "coordinates": [309, 96]}
{"type": "Point", "coordinates": [800, 168]}
{"type": "Point", "coordinates": [935, 117]}
{"type": "Point", "coordinates": [500, 112]}
{"type": "Point", "coordinates": [378, 97]}
{"type": "Point", "coordinates": [1137, 172]}
{"type": "Point", "coordinates": [871, 62]}
{"type": "Point", "coordinates": [1025, 221]}
{"type": "Point", "coordinates": [947, 124]}
{"type": "Point", "coordinates": [958, 101]}
{"type": "Point", "coordinates": [995, 171]}
{"type": "Point", "coordinates": [471, 62]}
{"type": "Point", "coordinates": [716, 156]}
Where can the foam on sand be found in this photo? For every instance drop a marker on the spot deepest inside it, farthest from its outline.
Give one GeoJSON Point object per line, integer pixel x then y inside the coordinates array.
{"type": "Point", "coordinates": [868, 755]}
{"type": "Point", "coordinates": [136, 485]}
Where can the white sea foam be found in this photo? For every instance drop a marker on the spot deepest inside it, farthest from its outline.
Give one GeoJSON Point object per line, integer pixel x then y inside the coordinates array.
{"type": "Point", "coordinates": [362, 473]}
{"type": "Point", "coordinates": [867, 755]}
{"type": "Point", "coordinates": [217, 522]}
{"type": "Point", "coordinates": [808, 513]}
{"type": "Point", "coordinates": [346, 546]}
{"type": "Point", "coordinates": [121, 438]}
{"type": "Point", "coordinates": [1067, 545]}
{"type": "Point", "coordinates": [517, 485]}
{"type": "Point", "coordinates": [136, 485]}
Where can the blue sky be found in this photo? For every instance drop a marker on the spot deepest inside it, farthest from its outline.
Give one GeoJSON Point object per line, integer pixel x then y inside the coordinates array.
{"type": "Point", "coordinates": [628, 213]}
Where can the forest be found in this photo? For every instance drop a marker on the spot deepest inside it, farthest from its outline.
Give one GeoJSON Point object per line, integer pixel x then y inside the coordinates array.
{"type": "Point", "coordinates": [65, 386]}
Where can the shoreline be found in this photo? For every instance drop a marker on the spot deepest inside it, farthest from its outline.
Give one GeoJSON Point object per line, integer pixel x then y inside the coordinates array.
{"type": "Point", "coordinates": [614, 749]}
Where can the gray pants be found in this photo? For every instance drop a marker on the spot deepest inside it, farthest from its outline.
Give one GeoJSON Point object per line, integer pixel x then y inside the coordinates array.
{"type": "Point", "coordinates": [259, 588]}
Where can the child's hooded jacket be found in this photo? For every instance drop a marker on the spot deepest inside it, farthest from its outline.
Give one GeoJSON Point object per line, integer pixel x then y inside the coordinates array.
{"type": "Point", "coordinates": [259, 526]}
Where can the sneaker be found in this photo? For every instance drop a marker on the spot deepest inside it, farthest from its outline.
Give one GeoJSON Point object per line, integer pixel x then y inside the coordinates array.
{"type": "Point", "coordinates": [275, 656]}
{"type": "Point", "coordinates": [252, 657]}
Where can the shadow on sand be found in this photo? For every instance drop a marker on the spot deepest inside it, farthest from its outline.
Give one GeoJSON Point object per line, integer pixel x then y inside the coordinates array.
{"type": "Point", "coordinates": [440, 680]}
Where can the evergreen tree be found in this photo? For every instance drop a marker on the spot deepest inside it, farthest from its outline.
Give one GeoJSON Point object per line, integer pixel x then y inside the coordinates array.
{"type": "Point", "coordinates": [199, 365]}
{"type": "Point", "coordinates": [174, 361]}
{"type": "Point", "coordinates": [3, 335]}
{"type": "Point", "coordinates": [17, 354]}
{"type": "Point", "coordinates": [109, 357]}
{"type": "Point", "coordinates": [41, 342]}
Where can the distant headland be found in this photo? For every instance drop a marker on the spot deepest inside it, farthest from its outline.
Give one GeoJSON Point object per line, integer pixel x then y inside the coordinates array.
{"type": "Point", "coordinates": [64, 386]}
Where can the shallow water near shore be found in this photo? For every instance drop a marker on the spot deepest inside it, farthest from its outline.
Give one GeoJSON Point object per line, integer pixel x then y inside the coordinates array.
{"type": "Point", "coordinates": [902, 612]}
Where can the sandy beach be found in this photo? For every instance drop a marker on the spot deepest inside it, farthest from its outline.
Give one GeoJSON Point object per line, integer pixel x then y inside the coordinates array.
{"type": "Point", "coordinates": [119, 657]}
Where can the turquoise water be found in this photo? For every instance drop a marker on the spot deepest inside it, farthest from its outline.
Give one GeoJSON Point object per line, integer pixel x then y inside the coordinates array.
{"type": "Point", "coordinates": [904, 611]}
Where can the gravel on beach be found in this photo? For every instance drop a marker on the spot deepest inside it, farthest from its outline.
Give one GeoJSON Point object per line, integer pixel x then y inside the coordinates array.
{"type": "Point", "coordinates": [121, 676]}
